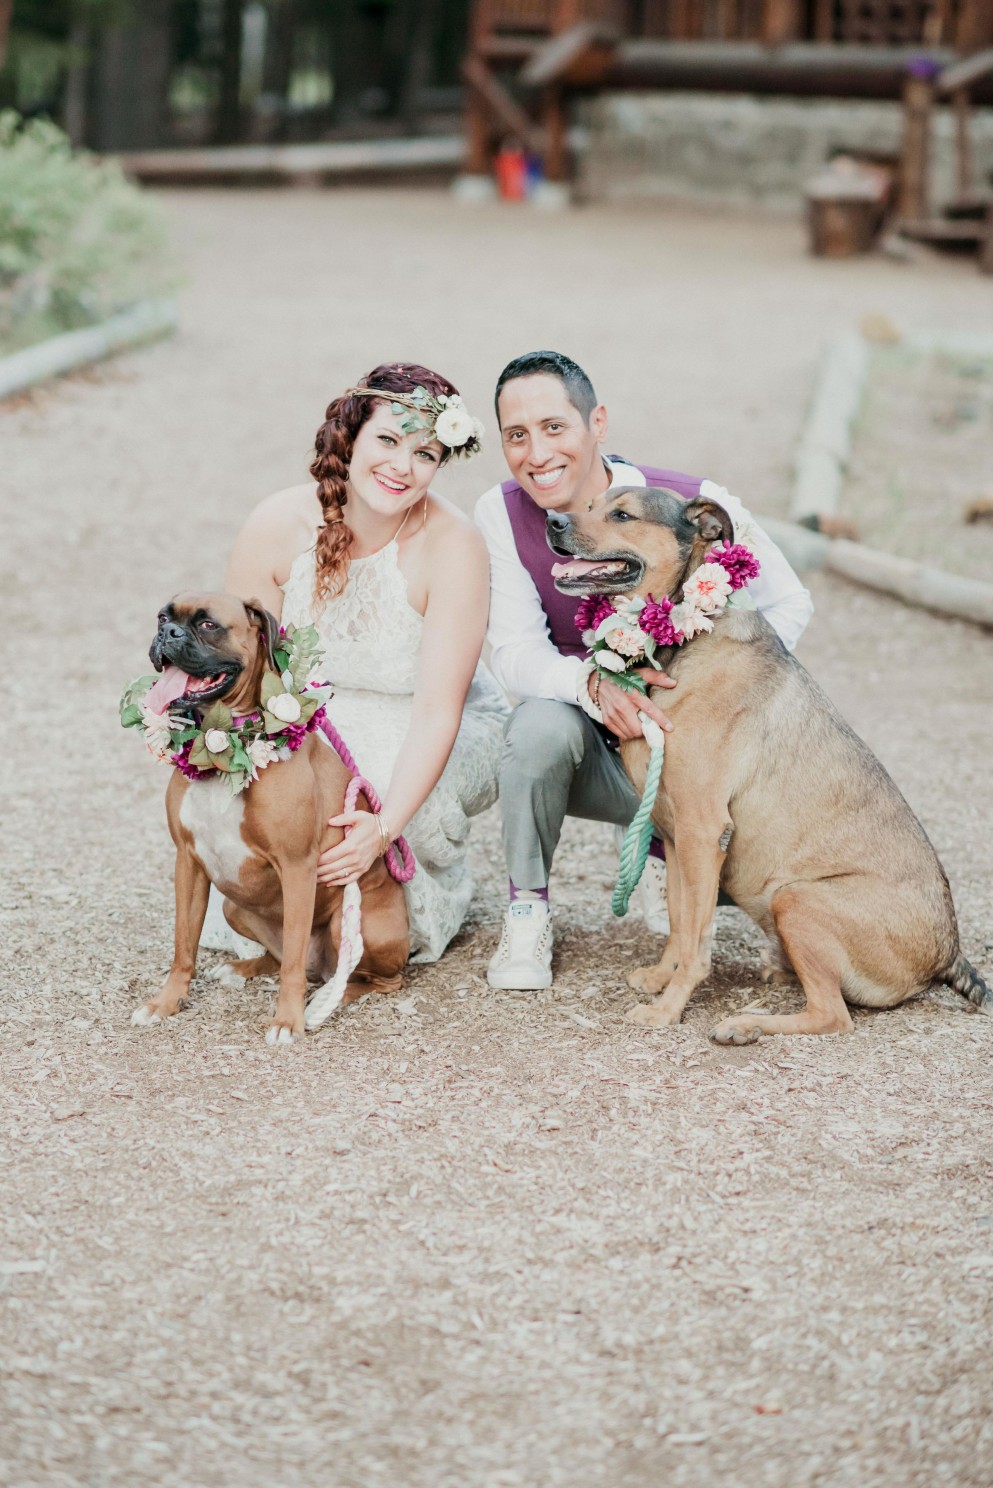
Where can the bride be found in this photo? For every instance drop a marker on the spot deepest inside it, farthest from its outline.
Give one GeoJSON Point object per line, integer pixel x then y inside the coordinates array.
{"type": "Point", "coordinates": [395, 579]}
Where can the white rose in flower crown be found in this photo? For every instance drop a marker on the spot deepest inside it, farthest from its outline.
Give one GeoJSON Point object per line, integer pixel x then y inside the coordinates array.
{"type": "Point", "coordinates": [285, 707]}
{"type": "Point", "coordinates": [708, 588]}
{"type": "Point", "coordinates": [453, 426]}
{"type": "Point", "coordinates": [216, 741]}
{"type": "Point", "coordinates": [261, 753]}
{"type": "Point", "coordinates": [609, 661]}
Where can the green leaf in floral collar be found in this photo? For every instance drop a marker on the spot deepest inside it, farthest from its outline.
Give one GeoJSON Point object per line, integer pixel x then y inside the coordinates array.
{"type": "Point", "coordinates": [204, 759]}
{"type": "Point", "coordinates": [217, 716]}
{"type": "Point", "coordinates": [240, 758]}
{"type": "Point", "coordinates": [272, 686]}
{"type": "Point", "coordinates": [627, 680]}
{"type": "Point", "coordinates": [131, 698]}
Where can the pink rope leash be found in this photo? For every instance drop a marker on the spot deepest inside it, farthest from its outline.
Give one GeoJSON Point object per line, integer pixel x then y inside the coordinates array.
{"type": "Point", "coordinates": [400, 868]}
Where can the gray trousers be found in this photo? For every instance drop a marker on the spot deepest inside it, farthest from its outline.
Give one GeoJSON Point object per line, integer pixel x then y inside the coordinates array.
{"type": "Point", "coordinates": [555, 764]}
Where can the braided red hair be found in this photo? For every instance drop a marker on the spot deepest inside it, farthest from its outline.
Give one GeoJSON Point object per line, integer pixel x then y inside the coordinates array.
{"type": "Point", "coordinates": [333, 453]}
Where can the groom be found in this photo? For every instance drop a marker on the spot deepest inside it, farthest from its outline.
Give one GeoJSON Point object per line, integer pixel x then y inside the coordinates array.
{"type": "Point", "coordinates": [557, 761]}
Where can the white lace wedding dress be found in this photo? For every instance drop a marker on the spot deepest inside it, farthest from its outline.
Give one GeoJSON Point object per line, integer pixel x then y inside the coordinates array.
{"type": "Point", "coordinates": [371, 637]}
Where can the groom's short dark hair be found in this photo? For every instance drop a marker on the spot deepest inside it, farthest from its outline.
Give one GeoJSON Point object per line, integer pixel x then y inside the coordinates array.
{"type": "Point", "coordinates": [578, 388]}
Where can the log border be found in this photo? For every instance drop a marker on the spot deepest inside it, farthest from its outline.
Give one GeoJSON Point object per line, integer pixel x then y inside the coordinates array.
{"type": "Point", "coordinates": [147, 321]}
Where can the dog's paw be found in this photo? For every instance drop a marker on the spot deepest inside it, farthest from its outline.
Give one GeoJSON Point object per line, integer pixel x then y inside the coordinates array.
{"type": "Point", "coordinates": [145, 1016]}
{"type": "Point", "coordinates": [649, 979]}
{"type": "Point", "coordinates": [778, 976]}
{"type": "Point", "coordinates": [280, 1036]}
{"type": "Point", "coordinates": [227, 976]}
{"type": "Point", "coordinates": [651, 1015]}
{"type": "Point", "coordinates": [735, 1031]}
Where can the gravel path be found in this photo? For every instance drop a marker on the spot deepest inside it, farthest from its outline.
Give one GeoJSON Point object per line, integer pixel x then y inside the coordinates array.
{"type": "Point", "coordinates": [465, 1238]}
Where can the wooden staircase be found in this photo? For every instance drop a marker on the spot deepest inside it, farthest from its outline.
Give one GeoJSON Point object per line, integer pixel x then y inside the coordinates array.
{"type": "Point", "coordinates": [505, 35]}
{"type": "Point", "coordinates": [967, 221]}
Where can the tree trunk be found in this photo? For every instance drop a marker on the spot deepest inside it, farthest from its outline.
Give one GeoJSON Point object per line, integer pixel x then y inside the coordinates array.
{"type": "Point", "coordinates": [397, 33]}
{"type": "Point", "coordinates": [6, 7]}
{"type": "Point", "coordinates": [129, 80]}
{"type": "Point", "coordinates": [420, 63]}
{"type": "Point", "coordinates": [74, 103]}
{"type": "Point", "coordinates": [279, 59]}
{"type": "Point", "coordinates": [351, 47]}
{"type": "Point", "coordinates": [227, 130]}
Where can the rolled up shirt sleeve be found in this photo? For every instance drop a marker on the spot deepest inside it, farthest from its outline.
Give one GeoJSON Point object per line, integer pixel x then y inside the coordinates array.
{"type": "Point", "coordinates": [523, 658]}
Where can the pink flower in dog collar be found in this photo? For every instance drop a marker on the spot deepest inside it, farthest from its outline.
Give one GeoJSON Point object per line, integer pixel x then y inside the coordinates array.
{"type": "Point", "coordinates": [738, 562]}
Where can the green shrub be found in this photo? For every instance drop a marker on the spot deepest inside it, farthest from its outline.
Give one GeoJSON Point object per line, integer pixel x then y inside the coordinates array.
{"type": "Point", "coordinates": [77, 241]}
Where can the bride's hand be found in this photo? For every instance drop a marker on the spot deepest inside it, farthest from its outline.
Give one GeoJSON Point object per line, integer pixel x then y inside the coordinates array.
{"type": "Point", "coordinates": [347, 862]}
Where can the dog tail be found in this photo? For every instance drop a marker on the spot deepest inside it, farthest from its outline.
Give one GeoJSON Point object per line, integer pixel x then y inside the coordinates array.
{"type": "Point", "coordinates": [965, 979]}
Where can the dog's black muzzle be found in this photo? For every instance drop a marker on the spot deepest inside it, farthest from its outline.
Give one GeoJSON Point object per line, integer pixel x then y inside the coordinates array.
{"type": "Point", "coordinates": [593, 573]}
{"type": "Point", "coordinates": [178, 645]}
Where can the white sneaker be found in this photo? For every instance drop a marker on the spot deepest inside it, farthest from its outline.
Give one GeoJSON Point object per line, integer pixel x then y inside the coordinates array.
{"type": "Point", "coordinates": [650, 895]}
{"type": "Point", "coordinates": [523, 959]}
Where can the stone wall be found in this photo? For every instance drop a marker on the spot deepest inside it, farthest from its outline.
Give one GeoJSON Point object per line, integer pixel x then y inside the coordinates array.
{"type": "Point", "coordinates": [745, 149]}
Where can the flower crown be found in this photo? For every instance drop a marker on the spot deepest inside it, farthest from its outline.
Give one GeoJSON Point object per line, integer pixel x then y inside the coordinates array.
{"type": "Point", "coordinates": [442, 417]}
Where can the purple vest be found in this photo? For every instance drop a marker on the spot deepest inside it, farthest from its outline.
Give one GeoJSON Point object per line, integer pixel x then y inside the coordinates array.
{"type": "Point", "coordinates": [527, 522]}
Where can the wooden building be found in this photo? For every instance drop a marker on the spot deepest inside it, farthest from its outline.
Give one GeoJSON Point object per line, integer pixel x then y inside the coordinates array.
{"type": "Point", "coordinates": [526, 58]}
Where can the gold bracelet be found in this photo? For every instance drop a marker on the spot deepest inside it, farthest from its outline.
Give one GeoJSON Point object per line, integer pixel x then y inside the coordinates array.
{"type": "Point", "coordinates": [384, 834]}
{"type": "Point", "coordinates": [596, 689]}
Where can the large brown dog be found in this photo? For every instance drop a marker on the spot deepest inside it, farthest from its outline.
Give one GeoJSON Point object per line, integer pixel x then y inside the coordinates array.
{"type": "Point", "coordinates": [261, 848]}
{"type": "Point", "coordinates": [768, 794]}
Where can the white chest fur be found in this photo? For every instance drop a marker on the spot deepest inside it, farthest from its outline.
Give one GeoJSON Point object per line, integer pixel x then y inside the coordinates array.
{"type": "Point", "coordinates": [214, 820]}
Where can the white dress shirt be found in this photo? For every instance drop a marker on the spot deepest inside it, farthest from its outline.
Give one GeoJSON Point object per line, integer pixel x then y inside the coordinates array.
{"type": "Point", "coordinates": [524, 660]}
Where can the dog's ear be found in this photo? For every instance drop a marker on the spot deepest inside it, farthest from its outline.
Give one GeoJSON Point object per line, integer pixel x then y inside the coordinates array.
{"type": "Point", "coordinates": [710, 520]}
{"type": "Point", "coordinates": [268, 625]}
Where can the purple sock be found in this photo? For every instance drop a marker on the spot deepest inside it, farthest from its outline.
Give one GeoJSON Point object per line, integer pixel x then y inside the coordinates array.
{"type": "Point", "coordinates": [656, 848]}
{"type": "Point", "coordinates": [515, 892]}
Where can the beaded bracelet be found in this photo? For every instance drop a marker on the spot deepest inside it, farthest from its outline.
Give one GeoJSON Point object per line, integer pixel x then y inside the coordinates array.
{"type": "Point", "coordinates": [584, 697]}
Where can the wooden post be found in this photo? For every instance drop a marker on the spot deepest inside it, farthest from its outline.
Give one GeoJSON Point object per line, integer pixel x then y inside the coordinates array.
{"type": "Point", "coordinates": [556, 166]}
{"type": "Point", "coordinates": [554, 109]}
{"type": "Point", "coordinates": [986, 246]}
{"type": "Point", "coordinates": [475, 120]}
{"type": "Point", "coordinates": [963, 143]}
{"type": "Point", "coordinates": [918, 101]}
{"type": "Point", "coordinates": [824, 20]}
{"type": "Point", "coordinates": [779, 21]}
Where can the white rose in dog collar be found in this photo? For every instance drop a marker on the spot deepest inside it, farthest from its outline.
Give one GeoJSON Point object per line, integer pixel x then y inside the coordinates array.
{"type": "Point", "coordinates": [285, 707]}
{"type": "Point", "coordinates": [216, 741]}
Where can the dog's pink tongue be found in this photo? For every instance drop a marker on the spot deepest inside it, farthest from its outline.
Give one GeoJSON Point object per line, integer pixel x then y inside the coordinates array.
{"type": "Point", "coordinates": [576, 567]}
{"type": "Point", "coordinates": [171, 685]}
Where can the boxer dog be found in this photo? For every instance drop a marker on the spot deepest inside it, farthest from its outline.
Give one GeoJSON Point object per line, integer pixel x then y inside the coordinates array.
{"type": "Point", "coordinates": [261, 848]}
{"type": "Point", "coordinates": [768, 794]}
